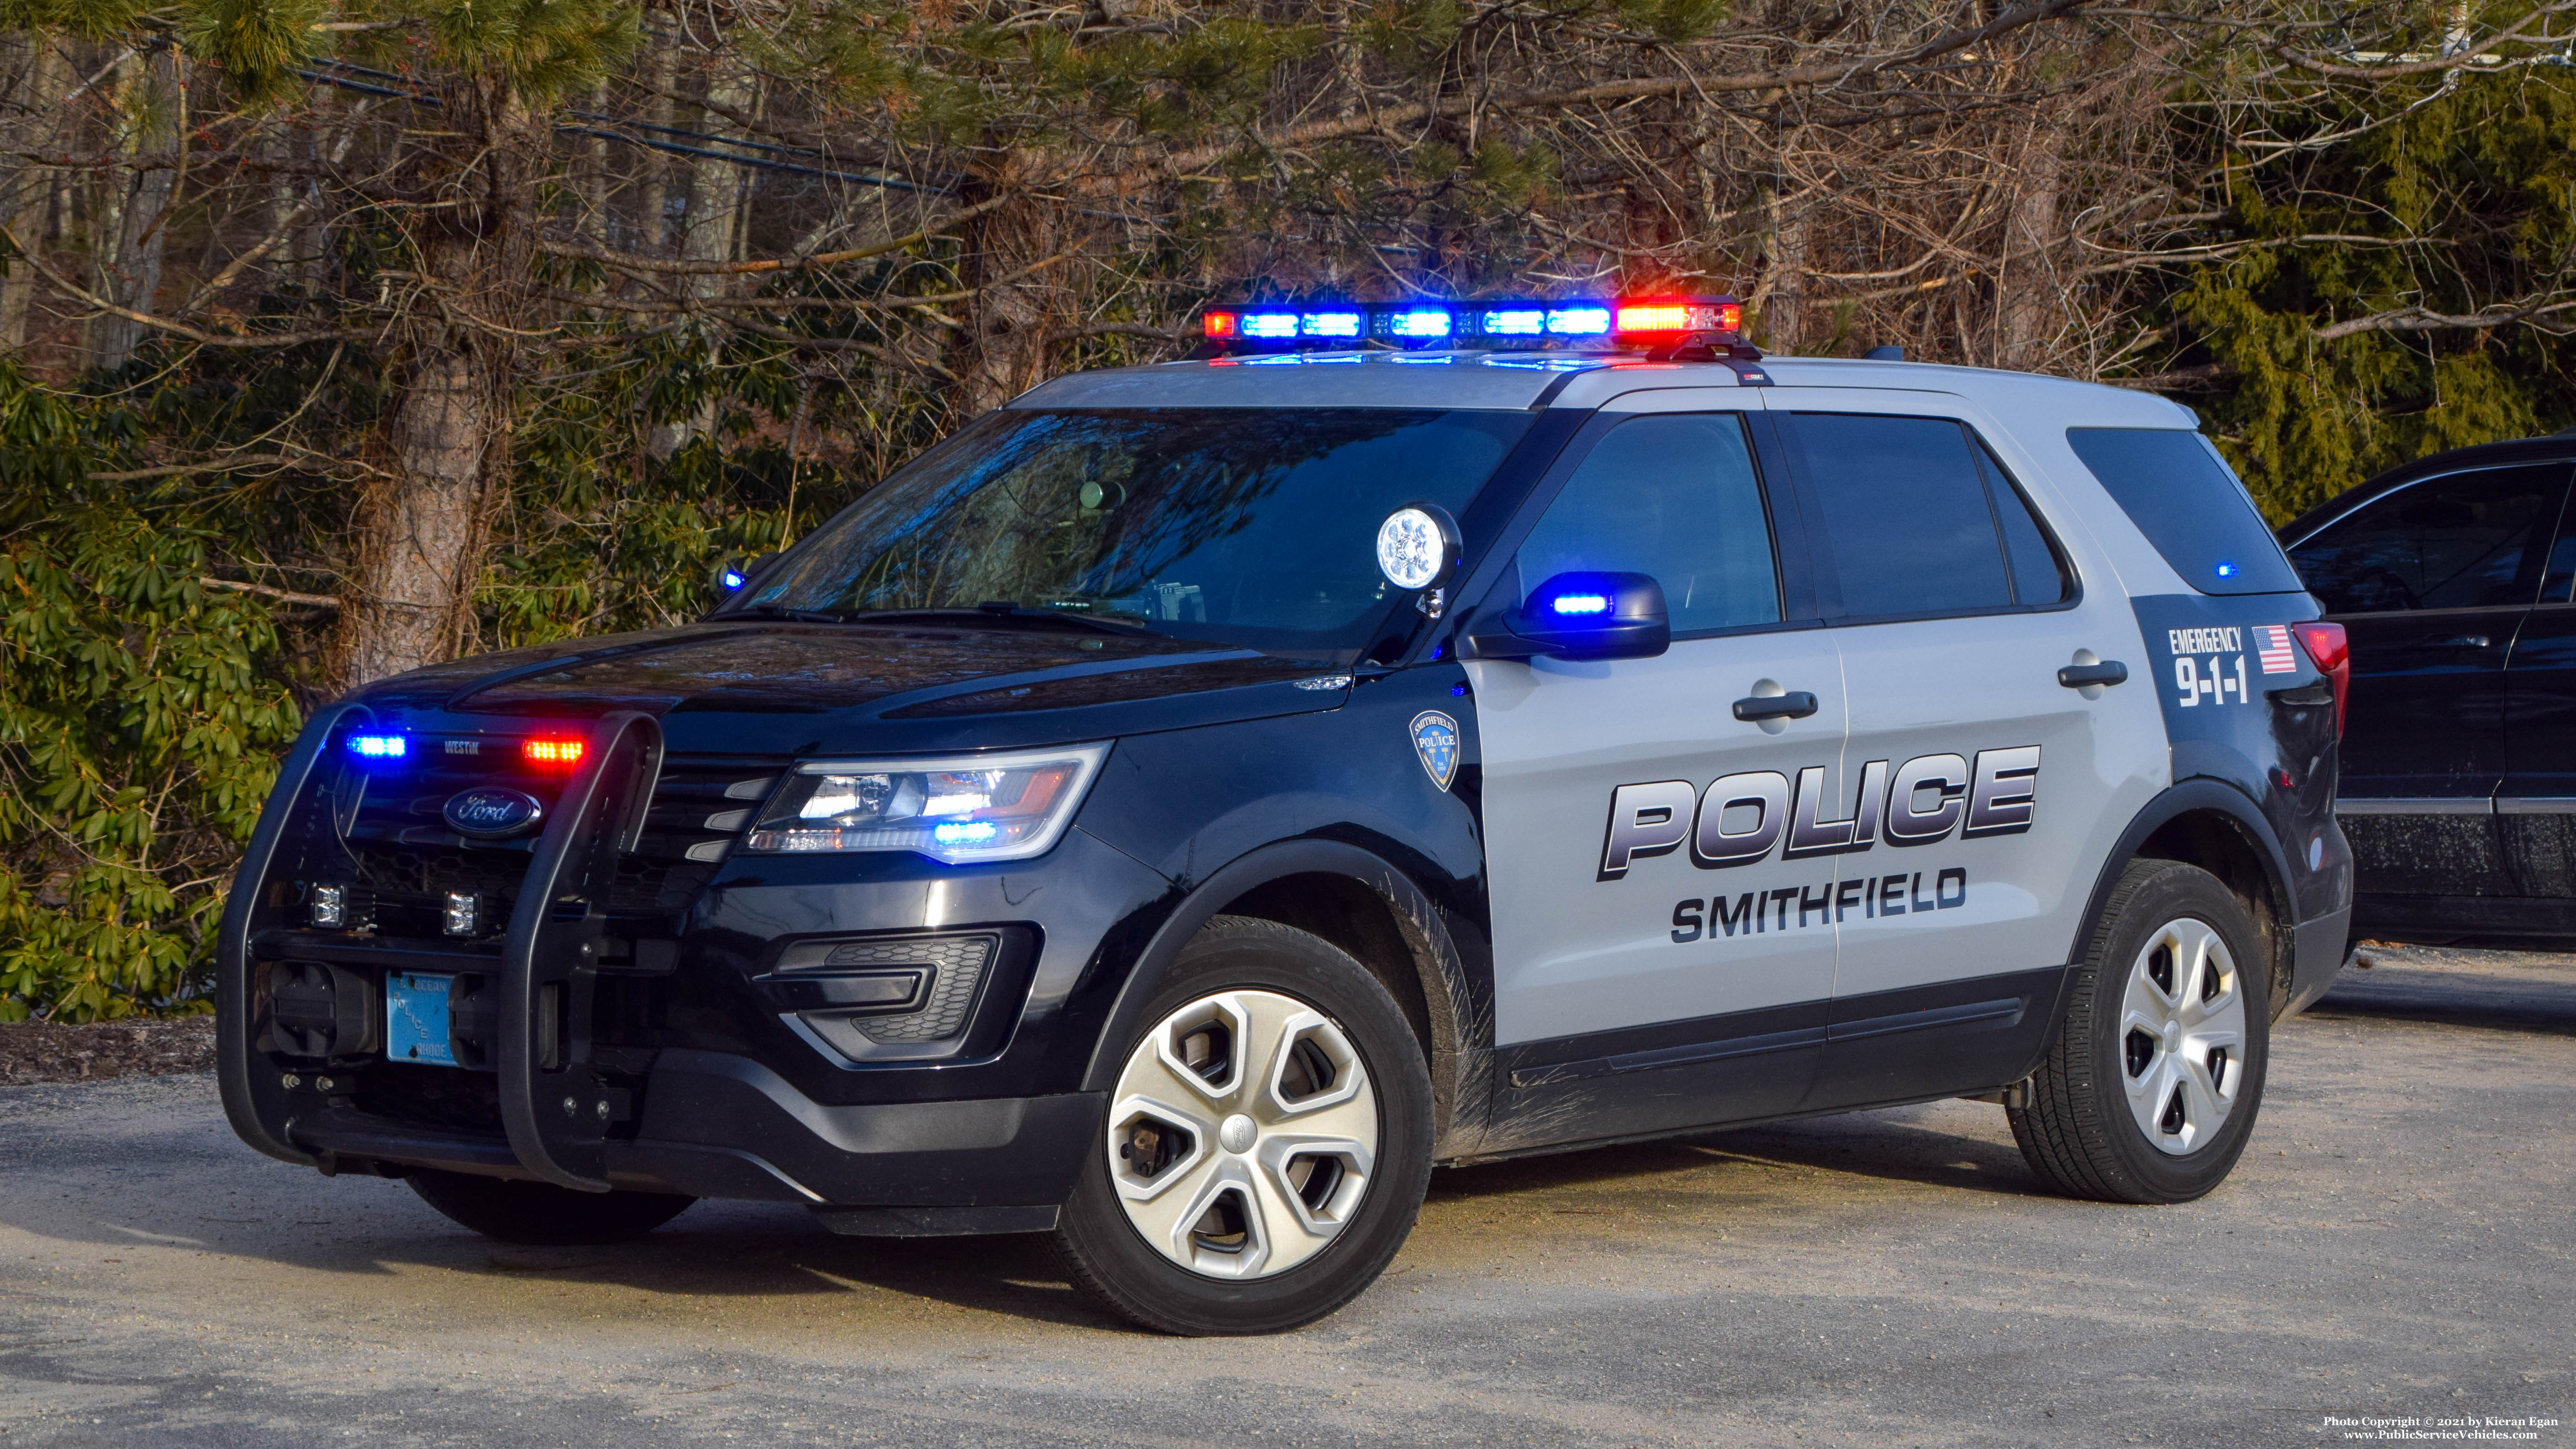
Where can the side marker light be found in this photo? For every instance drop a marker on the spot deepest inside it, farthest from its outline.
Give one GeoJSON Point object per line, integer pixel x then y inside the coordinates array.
{"type": "Point", "coordinates": [551, 752]}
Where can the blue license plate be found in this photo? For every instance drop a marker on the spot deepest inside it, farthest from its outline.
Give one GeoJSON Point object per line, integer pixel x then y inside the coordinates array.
{"type": "Point", "coordinates": [416, 1019]}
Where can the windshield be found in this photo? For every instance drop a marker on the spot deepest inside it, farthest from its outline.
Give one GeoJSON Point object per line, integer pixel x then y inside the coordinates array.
{"type": "Point", "coordinates": [1245, 526]}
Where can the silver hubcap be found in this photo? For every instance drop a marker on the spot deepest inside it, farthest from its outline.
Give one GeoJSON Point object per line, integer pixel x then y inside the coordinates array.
{"type": "Point", "coordinates": [1244, 1134]}
{"type": "Point", "coordinates": [2182, 1036]}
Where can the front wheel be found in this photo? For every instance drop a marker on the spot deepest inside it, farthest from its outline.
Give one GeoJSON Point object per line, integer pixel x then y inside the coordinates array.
{"type": "Point", "coordinates": [1267, 1146]}
{"type": "Point", "coordinates": [2152, 1087]}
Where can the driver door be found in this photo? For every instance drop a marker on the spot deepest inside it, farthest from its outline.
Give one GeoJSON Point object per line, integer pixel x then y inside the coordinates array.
{"type": "Point", "coordinates": [1652, 968]}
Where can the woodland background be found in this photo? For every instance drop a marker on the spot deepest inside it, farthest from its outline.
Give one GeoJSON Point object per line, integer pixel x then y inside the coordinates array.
{"type": "Point", "coordinates": [341, 336]}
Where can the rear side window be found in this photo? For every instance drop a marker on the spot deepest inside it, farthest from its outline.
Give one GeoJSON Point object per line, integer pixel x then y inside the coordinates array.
{"type": "Point", "coordinates": [2466, 541]}
{"type": "Point", "coordinates": [1914, 519]}
{"type": "Point", "coordinates": [1674, 496]}
{"type": "Point", "coordinates": [2189, 504]}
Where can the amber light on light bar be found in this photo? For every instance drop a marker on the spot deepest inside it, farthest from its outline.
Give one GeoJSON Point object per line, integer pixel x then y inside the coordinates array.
{"type": "Point", "coordinates": [551, 752]}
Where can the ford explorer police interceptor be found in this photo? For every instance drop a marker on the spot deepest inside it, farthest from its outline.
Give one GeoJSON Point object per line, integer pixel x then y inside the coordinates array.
{"type": "Point", "coordinates": [1194, 800]}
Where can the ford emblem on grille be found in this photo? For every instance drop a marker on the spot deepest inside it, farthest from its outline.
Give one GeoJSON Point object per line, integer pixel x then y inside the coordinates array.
{"type": "Point", "coordinates": [490, 812]}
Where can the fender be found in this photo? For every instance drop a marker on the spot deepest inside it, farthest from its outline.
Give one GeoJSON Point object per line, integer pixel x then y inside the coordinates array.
{"type": "Point", "coordinates": [2178, 800]}
{"type": "Point", "coordinates": [235, 1020]}
{"type": "Point", "coordinates": [1462, 1024]}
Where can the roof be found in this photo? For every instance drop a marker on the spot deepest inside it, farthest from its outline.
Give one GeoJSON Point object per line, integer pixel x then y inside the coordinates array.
{"type": "Point", "coordinates": [1519, 380]}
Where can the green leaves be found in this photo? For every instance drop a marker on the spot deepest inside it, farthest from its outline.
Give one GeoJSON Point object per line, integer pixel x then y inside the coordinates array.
{"type": "Point", "coordinates": [140, 723]}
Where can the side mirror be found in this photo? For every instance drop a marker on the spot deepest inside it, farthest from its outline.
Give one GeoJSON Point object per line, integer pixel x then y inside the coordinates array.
{"type": "Point", "coordinates": [738, 573]}
{"type": "Point", "coordinates": [1577, 616]}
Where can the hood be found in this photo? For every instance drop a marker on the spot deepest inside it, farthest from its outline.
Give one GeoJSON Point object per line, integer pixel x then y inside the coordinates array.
{"type": "Point", "coordinates": [772, 686]}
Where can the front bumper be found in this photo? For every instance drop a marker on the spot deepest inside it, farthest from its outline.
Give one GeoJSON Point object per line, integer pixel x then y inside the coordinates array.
{"type": "Point", "coordinates": [715, 1125]}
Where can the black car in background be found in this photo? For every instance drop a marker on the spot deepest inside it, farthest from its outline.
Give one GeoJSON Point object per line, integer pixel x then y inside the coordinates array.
{"type": "Point", "coordinates": [2452, 578]}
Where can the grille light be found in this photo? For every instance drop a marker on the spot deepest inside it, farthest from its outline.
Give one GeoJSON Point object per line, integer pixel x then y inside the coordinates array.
{"type": "Point", "coordinates": [464, 914]}
{"type": "Point", "coordinates": [379, 747]}
{"type": "Point", "coordinates": [330, 907]}
{"type": "Point", "coordinates": [556, 753]}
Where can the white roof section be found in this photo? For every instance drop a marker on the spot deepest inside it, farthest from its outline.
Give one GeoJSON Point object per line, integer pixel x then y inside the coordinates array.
{"type": "Point", "coordinates": [1515, 381]}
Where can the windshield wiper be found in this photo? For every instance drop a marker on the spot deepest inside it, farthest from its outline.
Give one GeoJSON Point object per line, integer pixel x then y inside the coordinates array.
{"type": "Point", "coordinates": [1000, 613]}
{"type": "Point", "coordinates": [781, 611]}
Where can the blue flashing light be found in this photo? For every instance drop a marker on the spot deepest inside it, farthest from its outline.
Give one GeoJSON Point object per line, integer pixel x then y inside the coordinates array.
{"type": "Point", "coordinates": [1270, 326]}
{"type": "Point", "coordinates": [1420, 322]}
{"type": "Point", "coordinates": [970, 833]}
{"type": "Point", "coordinates": [1516, 322]}
{"type": "Point", "coordinates": [733, 580]}
{"type": "Point", "coordinates": [1581, 604]}
{"type": "Point", "coordinates": [379, 747]}
{"type": "Point", "coordinates": [1331, 324]}
{"type": "Point", "coordinates": [2227, 570]}
{"type": "Point", "coordinates": [1578, 321]}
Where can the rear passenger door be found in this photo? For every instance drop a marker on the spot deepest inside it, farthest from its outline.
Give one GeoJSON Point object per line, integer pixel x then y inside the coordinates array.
{"type": "Point", "coordinates": [1988, 794]}
{"type": "Point", "coordinates": [1649, 972]}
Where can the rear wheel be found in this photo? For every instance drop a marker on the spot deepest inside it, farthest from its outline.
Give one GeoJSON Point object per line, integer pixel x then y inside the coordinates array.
{"type": "Point", "coordinates": [2152, 1087]}
{"type": "Point", "coordinates": [541, 1214]}
{"type": "Point", "coordinates": [1268, 1141]}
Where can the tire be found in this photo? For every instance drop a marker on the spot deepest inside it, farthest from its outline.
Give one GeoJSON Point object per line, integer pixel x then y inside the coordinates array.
{"type": "Point", "coordinates": [2171, 995]}
{"type": "Point", "coordinates": [1267, 1146]}
{"type": "Point", "coordinates": [540, 1214]}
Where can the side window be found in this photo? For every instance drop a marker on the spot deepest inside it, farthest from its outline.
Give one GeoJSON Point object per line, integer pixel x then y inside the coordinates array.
{"type": "Point", "coordinates": [2468, 540]}
{"type": "Point", "coordinates": [2039, 573]}
{"type": "Point", "coordinates": [1675, 496]}
{"type": "Point", "coordinates": [2190, 505]}
{"type": "Point", "coordinates": [1905, 515]}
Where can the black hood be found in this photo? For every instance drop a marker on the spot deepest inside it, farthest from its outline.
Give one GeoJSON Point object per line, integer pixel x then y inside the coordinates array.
{"type": "Point", "coordinates": [768, 686]}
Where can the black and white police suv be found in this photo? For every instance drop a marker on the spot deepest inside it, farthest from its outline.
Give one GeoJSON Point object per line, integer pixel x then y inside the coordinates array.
{"type": "Point", "coordinates": [1192, 801]}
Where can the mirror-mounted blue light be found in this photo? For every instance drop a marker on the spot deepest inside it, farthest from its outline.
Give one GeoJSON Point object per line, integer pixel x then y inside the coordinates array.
{"type": "Point", "coordinates": [1580, 604]}
{"type": "Point", "coordinates": [379, 747]}
{"type": "Point", "coordinates": [2227, 570]}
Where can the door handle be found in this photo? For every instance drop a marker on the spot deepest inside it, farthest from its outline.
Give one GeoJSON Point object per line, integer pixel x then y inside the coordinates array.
{"type": "Point", "coordinates": [2109, 671]}
{"type": "Point", "coordinates": [1796, 704]}
{"type": "Point", "coordinates": [2462, 641]}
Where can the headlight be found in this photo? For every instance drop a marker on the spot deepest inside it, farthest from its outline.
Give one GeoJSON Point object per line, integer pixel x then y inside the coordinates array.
{"type": "Point", "coordinates": [959, 809]}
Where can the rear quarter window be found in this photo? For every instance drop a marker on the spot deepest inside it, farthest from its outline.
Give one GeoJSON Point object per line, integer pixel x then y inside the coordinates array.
{"type": "Point", "coordinates": [2190, 505]}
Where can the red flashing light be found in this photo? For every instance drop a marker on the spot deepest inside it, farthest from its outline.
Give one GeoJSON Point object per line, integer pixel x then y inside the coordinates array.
{"type": "Point", "coordinates": [2332, 651]}
{"type": "Point", "coordinates": [1220, 326]}
{"type": "Point", "coordinates": [1651, 316]}
{"type": "Point", "coordinates": [557, 754]}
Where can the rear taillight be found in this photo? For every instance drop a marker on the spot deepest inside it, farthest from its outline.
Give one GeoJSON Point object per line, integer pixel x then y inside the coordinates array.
{"type": "Point", "coordinates": [2327, 646]}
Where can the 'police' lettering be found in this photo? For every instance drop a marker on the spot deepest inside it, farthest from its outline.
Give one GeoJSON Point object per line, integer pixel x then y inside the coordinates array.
{"type": "Point", "coordinates": [1743, 818]}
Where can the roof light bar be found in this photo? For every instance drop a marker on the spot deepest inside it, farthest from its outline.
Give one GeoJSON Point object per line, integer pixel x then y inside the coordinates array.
{"type": "Point", "coordinates": [1655, 324]}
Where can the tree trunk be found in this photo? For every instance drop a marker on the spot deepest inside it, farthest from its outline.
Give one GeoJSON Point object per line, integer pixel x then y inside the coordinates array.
{"type": "Point", "coordinates": [421, 532]}
{"type": "Point", "coordinates": [153, 123]}
{"type": "Point", "coordinates": [711, 230]}
{"type": "Point", "coordinates": [1003, 346]}
{"type": "Point", "coordinates": [2029, 307]}
{"type": "Point", "coordinates": [33, 64]}
{"type": "Point", "coordinates": [1780, 295]}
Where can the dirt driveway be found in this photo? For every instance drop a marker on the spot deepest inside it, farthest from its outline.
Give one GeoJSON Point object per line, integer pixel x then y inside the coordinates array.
{"type": "Point", "coordinates": [2399, 1242]}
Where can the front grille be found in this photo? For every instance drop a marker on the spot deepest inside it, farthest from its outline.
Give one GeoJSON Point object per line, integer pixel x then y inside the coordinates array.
{"type": "Point", "coordinates": [406, 860]}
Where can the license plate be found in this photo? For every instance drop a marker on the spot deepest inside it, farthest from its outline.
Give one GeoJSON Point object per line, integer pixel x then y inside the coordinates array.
{"type": "Point", "coordinates": [416, 1019]}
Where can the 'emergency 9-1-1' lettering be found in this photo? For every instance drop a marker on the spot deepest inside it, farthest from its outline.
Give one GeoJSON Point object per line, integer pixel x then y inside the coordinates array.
{"type": "Point", "coordinates": [1740, 819]}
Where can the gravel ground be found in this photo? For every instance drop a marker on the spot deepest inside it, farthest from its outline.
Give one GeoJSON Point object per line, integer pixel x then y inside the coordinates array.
{"type": "Point", "coordinates": [33, 1052]}
{"type": "Point", "coordinates": [2396, 1244]}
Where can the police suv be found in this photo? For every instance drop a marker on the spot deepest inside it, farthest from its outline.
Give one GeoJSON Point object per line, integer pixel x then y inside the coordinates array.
{"type": "Point", "coordinates": [1192, 801]}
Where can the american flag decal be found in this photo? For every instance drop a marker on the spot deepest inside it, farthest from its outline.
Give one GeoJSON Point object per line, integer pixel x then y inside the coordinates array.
{"type": "Point", "coordinates": [2272, 645]}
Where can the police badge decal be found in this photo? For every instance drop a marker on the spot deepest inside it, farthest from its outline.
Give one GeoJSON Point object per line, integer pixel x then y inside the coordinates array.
{"type": "Point", "coordinates": [1435, 740]}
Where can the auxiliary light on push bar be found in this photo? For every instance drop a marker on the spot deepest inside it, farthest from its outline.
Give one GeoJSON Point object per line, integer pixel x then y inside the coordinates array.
{"type": "Point", "coordinates": [1626, 323]}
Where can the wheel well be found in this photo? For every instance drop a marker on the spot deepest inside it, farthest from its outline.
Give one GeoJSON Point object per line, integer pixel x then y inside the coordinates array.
{"type": "Point", "coordinates": [1364, 923]}
{"type": "Point", "coordinates": [2221, 845]}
